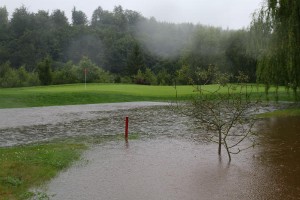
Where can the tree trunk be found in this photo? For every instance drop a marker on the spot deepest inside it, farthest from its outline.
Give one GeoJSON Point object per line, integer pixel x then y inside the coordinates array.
{"type": "Point", "coordinates": [220, 142]}
{"type": "Point", "coordinates": [228, 152]}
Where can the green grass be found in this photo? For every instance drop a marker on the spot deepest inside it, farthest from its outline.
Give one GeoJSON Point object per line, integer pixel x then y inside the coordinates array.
{"type": "Point", "coordinates": [24, 167]}
{"type": "Point", "coordinates": [29, 166]}
{"type": "Point", "coordinates": [95, 93]}
{"type": "Point", "coordinates": [103, 93]}
{"type": "Point", "coordinates": [293, 112]}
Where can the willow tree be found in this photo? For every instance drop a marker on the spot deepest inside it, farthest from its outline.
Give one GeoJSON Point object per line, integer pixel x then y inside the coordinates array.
{"type": "Point", "coordinates": [279, 63]}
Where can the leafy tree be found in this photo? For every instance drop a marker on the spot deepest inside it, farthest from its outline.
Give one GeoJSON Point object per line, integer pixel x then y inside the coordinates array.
{"type": "Point", "coordinates": [183, 75]}
{"type": "Point", "coordinates": [10, 77]}
{"type": "Point", "coordinates": [3, 17]}
{"type": "Point", "coordinates": [21, 21]}
{"type": "Point", "coordinates": [4, 69]}
{"type": "Point", "coordinates": [86, 44]}
{"type": "Point", "coordinates": [78, 18]}
{"type": "Point", "coordinates": [279, 64]}
{"type": "Point", "coordinates": [149, 77]}
{"type": "Point", "coordinates": [118, 53]}
{"type": "Point", "coordinates": [139, 77]}
{"type": "Point", "coordinates": [67, 74]}
{"type": "Point", "coordinates": [59, 19]}
{"type": "Point", "coordinates": [97, 17]}
{"type": "Point", "coordinates": [102, 18]}
{"type": "Point", "coordinates": [42, 20]}
{"type": "Point", "coordinates": [4, 35]}
{"type": "Point", "coordinates": [94, 72]}
{"type": "Point", "coordinates": [120, 19]}
{"type": "Point", "coordinates": [59, 31]}
{"type": "Point", "coordinates": [132, 18]}
{"type": "Point", "coordinates": [164, 78]}
{"type": "Point", "coordinates": [135, 60]}
{"type": "Point", "coordinates": [239, 57]}
{"type": "Point", "coordinates": [226, 113]}
{"type": "Point", "coordinates": [24, 51]}
{"type": "Point", "coordinates": [44, 71]}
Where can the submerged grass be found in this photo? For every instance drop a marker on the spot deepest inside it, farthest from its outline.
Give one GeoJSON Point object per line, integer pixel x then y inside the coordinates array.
{"type": "Point", "coordinates": [109, 93]}
{"type": "Point", "coordinates": [292, 112]}
{"type": "Point", "coordinates": [29, 166]}
{"type": "Point", "coordinates": [24, 167]}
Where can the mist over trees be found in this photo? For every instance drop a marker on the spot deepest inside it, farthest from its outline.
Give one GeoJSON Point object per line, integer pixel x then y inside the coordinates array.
{"type": "Point", "coordinates": [122, 44]}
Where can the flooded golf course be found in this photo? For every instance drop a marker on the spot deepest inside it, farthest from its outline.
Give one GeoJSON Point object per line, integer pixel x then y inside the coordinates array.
{"type": "Point", "coordinates": [168, 160]}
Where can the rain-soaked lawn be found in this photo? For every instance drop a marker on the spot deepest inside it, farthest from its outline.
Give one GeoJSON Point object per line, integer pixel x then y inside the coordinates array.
{"type": "Point", "coordinates": [166, 160]}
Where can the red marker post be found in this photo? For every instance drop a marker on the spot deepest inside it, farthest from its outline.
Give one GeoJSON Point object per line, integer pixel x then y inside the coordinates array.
{"type": "Point", "coordinates": [126, 127]}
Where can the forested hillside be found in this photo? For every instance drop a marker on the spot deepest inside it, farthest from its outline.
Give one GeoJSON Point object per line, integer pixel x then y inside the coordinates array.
{"type": "Point", "coordinates": [114, 46]}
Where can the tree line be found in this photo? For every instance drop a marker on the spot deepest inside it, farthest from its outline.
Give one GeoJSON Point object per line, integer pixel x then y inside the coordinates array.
{"type": "Point", "coordinates": [124, 46]}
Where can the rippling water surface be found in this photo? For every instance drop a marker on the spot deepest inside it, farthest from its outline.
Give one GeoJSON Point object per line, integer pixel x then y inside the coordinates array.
{"type": "Point", "coordinates": [168, 161]}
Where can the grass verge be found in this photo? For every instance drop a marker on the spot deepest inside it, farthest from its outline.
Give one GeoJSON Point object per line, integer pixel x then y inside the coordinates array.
{"type": "Point", "coordinates": [292, 112]}
{"type": "Point", "coordinates": [75, 94]}
{"type": "Point", "coordinates": [95, 93]}
{"type": "Point", "coordinates": [29, 166]}
{"type": "Point", "coordinates": [24, 167]}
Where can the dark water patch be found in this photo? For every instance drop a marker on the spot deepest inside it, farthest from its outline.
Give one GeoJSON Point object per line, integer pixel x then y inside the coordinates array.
{"type": "Point", "coordinates": [280, 152]}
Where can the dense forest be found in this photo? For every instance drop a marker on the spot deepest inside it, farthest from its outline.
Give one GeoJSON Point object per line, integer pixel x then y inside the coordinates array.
{"type": "Point", "coordinates": [122, 46]}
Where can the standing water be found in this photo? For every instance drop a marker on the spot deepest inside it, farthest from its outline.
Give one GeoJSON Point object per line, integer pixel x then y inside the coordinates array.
{"type": "Point", "coordinates": [169, 161]}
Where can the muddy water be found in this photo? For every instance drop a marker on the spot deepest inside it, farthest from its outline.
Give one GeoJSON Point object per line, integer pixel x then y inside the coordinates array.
{"type": "Point", "coordinates": [182, 168]}
{"type": "Point", "coordinates": [280, 153]}
{"type": "Point", "coordinates": [165, 169]}
{"type": "Point", "coordinates": [22, 126]}
{"type": "Point", "coordinates": [169, 161]}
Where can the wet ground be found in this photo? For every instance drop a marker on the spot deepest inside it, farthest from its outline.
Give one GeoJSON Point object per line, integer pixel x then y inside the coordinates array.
{"type": "Point", "coordinates": [168, 161]}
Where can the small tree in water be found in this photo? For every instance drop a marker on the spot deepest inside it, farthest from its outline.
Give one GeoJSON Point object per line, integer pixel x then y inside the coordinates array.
{"type": "Point", "coordinates": [226, 112]}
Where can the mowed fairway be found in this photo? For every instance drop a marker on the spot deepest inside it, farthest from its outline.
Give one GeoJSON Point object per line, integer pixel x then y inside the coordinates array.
{"type": "Point", "coordinates": [102, 93]}
{"type": "Point", "coordinates": [94, 93]}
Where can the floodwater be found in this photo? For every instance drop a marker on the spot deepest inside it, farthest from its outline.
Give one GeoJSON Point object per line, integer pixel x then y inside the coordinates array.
{"type": "Point", "coordinates": [29, 125]}
{"type": "Point", "coordinates": [280, 153]}
{"type": "Point", "coordinates": [170, 169]}
{"type": "Point", "coordinates": [168, 161]}
{"type": "Point", "coordinates": [182, 168]}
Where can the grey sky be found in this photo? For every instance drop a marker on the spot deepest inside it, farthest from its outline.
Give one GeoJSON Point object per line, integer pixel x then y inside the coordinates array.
{"type": "Point", "coordinates": [233, 14]}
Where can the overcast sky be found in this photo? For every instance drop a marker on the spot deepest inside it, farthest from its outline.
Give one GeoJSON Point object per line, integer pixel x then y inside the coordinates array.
{"type": "Point", "coordinates": [233, 14]}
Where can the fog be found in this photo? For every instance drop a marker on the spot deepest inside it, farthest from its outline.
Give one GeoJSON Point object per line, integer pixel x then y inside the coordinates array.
{"type": "Point", "coordinates": [164, 39]}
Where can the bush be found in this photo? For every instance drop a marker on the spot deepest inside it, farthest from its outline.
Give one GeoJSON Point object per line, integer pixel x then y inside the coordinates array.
{"type": "Point", "coordinates": [147, 78]}
{"type": "Point", "coordinates": [44, 71]}
{"type": "Point", "coordinates": [10, 77]}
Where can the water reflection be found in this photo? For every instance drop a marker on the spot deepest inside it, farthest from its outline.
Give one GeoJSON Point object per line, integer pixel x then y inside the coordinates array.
{"type": "Point", "coordinates": [279, 151]}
